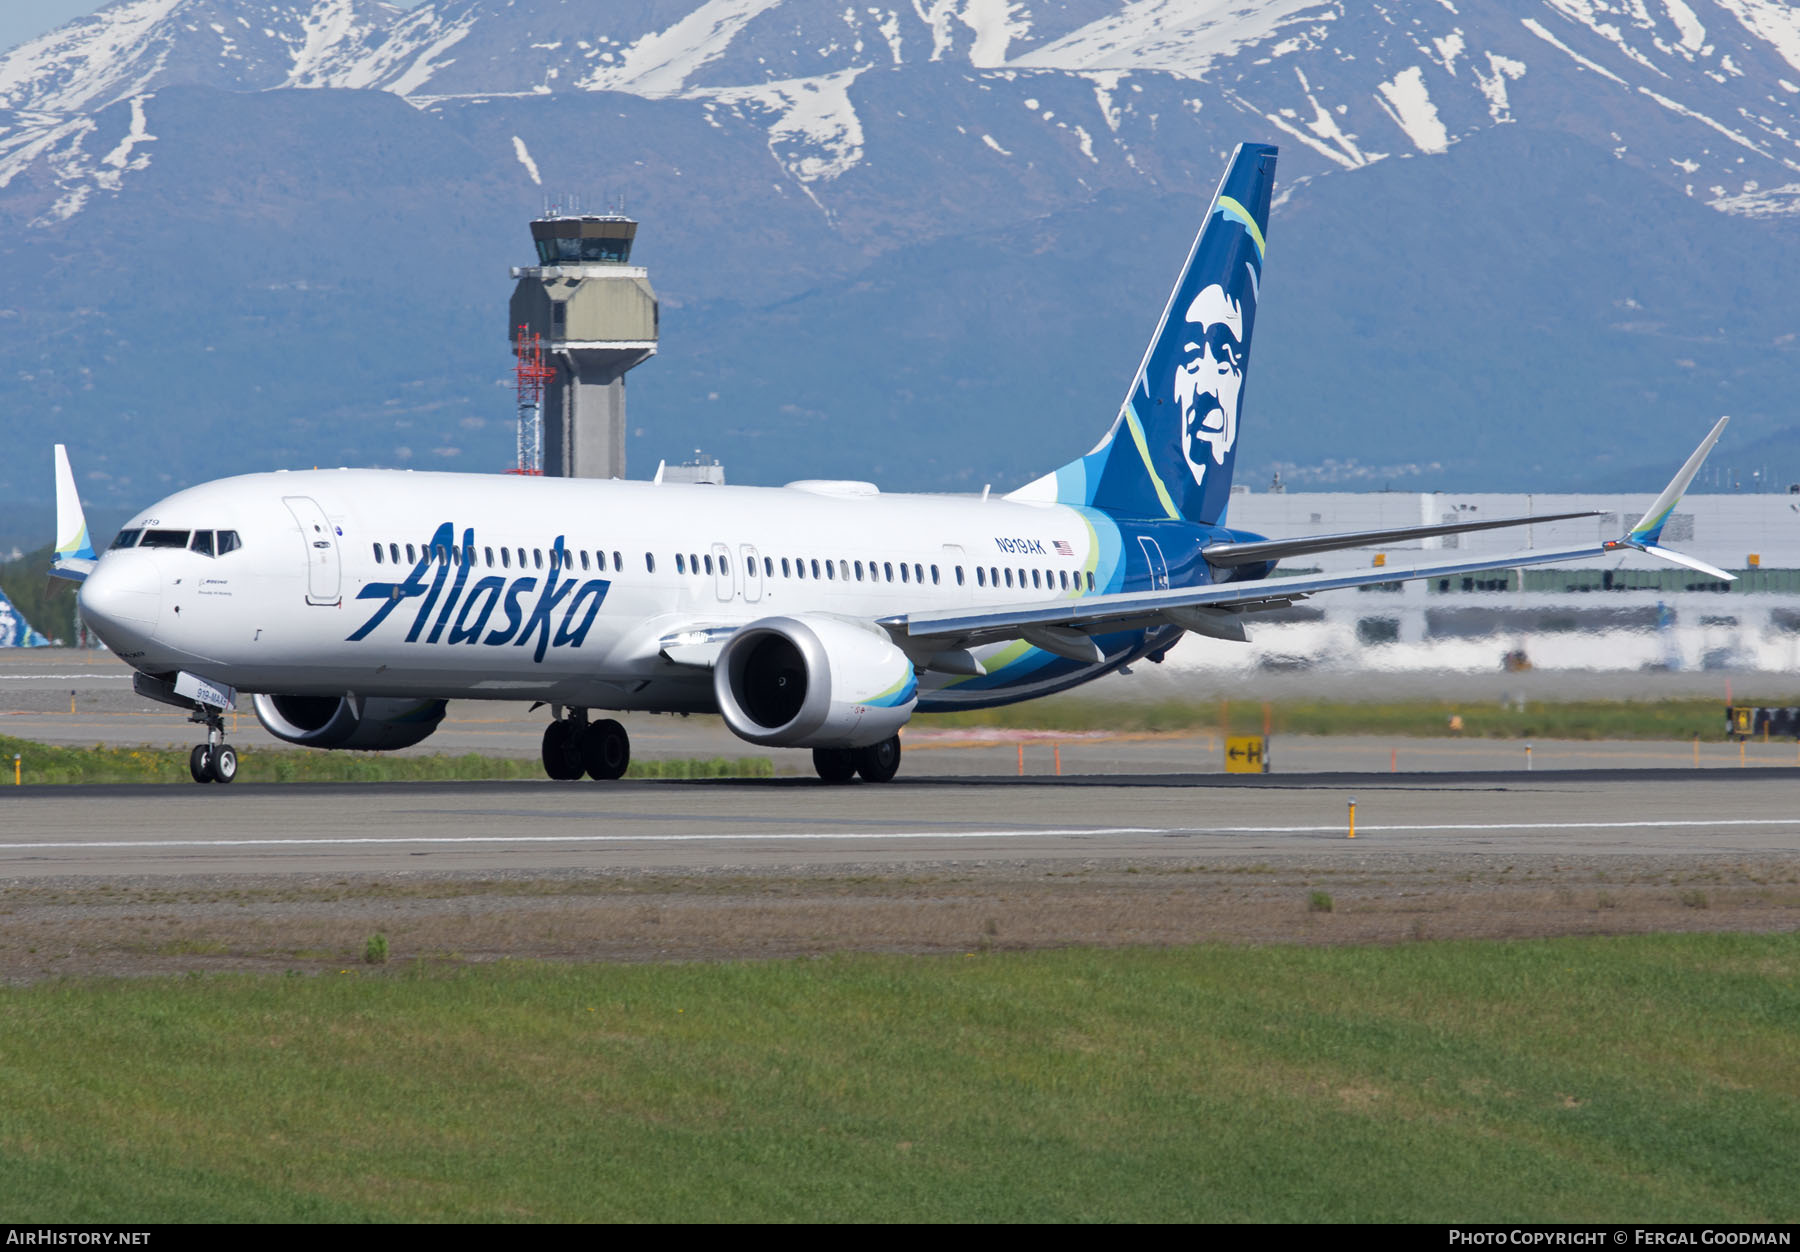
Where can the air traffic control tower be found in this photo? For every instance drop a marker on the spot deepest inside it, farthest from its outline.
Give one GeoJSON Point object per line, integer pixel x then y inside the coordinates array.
{"type": "Point", "coordinates": [597, 317]}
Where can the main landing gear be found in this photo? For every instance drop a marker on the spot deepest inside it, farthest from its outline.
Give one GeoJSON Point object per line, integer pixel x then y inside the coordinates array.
{"type": "Point", "coordinates": [574, 746]}
{"type": "Point", "coordinates": [215, 760]}
{"type": "Point", "coordinates": [877, 763]}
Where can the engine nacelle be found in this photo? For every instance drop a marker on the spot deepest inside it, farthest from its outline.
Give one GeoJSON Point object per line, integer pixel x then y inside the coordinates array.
{"type": "Point", "coordinates": [813, 682]}
{"type": "Point", "coordinates": [371, 725]}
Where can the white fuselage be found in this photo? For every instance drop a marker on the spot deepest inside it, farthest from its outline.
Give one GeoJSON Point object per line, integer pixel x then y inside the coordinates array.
{"type": "Point", "coordinates": [398, 583]}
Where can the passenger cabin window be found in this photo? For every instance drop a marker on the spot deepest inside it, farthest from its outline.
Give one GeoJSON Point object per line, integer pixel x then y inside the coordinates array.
{"type": "Point", "coordinates": [537, 558]}
{"type": "Point", "coordinates": [959, 576]}
{"type": "Point", "coordinates": [768, 567]}
{"type": "Point", "coordinates": [859, 571]}
{"type": "Point", "coordinates": [126, 539]}
{"type": "Point", "coordinates": [887, 570]}
{"type": "Point", "coordinates": [785, 571]}
{"type": "Point", "coordinates": [164, 539]}
{"type": "Point", "coordinates": [708, 559]}
{"type": "Point", "coordinates": [934, 575]}
{"type": "Point", "coordinates": [378, 554]}
{"type": "Point", "coordinates": [815, 566]}
{"type": "Point", "coordinates": [584, 560]}
{"type": "Point", "coordinates": [980, 576]}
{"type": "Point", "coordinates": [619, 563]}
{"type": "Point", "coordinates": [649, 562]}
{"type": "Point", "coordinates": [680, 564]}
{"type": "Point", "coordinates": [410, 558]}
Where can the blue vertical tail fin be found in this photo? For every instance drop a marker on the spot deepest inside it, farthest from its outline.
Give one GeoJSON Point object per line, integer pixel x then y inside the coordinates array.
{"type": "Point", "coordinates": [1171, 449]}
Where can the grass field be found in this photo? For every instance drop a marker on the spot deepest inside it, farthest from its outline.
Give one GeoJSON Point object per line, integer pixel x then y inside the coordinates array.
{"type": "Point", "coordinates": [1679, 720]}
{"type": "Point", "coordinates": [1630, 1079]}
{"type": "Point", "coordinates": [1573, 719]}
{"type": "Point", "coordinates": [45, 763]}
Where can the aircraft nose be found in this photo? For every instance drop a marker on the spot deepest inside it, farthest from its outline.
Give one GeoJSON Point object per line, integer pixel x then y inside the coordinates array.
{"type": "Point", "coordinates": [123, 595]}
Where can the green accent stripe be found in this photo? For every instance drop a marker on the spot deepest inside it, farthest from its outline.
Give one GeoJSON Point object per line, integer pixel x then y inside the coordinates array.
{"type": "Point", "coordinates": [1137, 437]}
{"type": "Point", "coordinates": [1656, 525]}
{"type": "Point", "coordinates": [1231, 208]}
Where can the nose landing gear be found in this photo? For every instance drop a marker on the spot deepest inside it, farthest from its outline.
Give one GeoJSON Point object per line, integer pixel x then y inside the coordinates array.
{"type": "Point", "coordinates": [215, 760]}
{"type": "Point", "coordinates": [573, 746]}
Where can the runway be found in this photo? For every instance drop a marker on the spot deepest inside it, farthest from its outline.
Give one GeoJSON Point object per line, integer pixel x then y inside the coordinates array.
{"type": "Point", "coordinates": [772, 824]}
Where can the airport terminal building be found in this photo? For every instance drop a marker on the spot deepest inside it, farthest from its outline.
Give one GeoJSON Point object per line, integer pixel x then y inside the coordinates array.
{"type": "Point", "coordinates": [1629, 612]}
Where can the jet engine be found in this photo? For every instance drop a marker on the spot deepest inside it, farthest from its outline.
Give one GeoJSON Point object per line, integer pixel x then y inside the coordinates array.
{"type": "Point", "coordinates": [813, 682]}
{"type": "Point", "coordinates": [369, 724]}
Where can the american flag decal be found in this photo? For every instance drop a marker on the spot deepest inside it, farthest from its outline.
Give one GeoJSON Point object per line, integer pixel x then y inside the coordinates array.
{"type": "Point", "coordinates": [1063, 548]}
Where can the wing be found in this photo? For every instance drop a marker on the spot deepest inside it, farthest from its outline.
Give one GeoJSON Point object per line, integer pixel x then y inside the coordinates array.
{"type": "Point", "coordinates": [1066, 628]}
{"type": "Point", "coordinates": [1229, 555]}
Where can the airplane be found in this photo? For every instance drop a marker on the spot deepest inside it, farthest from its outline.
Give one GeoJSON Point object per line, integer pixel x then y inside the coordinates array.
{"type": "Point", "coordinates": [352, 604]}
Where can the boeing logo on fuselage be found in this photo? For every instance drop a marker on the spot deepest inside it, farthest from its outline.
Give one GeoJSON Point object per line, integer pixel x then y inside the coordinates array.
{"type": "Point", "coordinates": [466, 615]}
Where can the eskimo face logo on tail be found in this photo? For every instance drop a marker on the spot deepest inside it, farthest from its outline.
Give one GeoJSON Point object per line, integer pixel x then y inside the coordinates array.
{"type": "Point", "coordinates": [1209, 378]}
{"type": "Point", "coordinates": [446, 614]}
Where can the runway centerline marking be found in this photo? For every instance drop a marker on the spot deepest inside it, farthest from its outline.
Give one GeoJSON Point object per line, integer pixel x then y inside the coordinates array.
{"type": "Point", "coordinates": [1086, 831]}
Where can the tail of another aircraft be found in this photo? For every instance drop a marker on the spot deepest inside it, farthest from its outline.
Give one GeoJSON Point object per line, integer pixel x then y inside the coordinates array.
{"type": "Point", "coordinates": [74, 557]}
{"type": "Point", "coordinates": [1170, 450]}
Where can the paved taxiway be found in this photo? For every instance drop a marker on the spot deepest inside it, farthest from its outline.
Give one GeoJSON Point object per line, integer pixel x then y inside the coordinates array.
{"type": "Point", "coordinates": [677, 826]}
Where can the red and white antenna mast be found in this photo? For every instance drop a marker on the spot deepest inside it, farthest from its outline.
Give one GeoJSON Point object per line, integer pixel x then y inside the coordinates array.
{"type": "Point", "coordinates": [530, 374]}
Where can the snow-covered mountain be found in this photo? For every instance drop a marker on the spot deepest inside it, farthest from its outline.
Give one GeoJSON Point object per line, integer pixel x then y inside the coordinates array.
{"type": "Point", "coordinates": [967, 175]}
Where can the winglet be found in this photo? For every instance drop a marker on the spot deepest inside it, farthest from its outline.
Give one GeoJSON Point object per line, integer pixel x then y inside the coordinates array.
{"type": "Point", "coordinates": [1647, 534]}
{"type": "Point", "coordinates": [1648, 531]}
{"type": "Point", "coordinates": [75, 556]}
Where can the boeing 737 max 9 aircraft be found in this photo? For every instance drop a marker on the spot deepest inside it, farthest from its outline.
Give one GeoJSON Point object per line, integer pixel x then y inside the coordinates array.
{"type": "Point", "coordinates": [353, 603]}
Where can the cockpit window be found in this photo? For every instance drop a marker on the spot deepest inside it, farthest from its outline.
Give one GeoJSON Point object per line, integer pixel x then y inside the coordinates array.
{"type": "Point", "coordinates": [203, 542]}
{"type": "Point", "coordinates": [165, 539]}
{"type": "Point", "coordinates": [229, 542]}
{"type": "Point", "coordinates": [126, 538]}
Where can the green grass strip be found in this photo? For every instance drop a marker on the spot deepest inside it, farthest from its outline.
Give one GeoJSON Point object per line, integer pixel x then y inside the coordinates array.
{"type": "Point", "coordinates": [45, 763]}
{"type": "Point", "coordinates": [1573, 719]}
{"type": "Point", "coordinates": [1635, 1079]}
